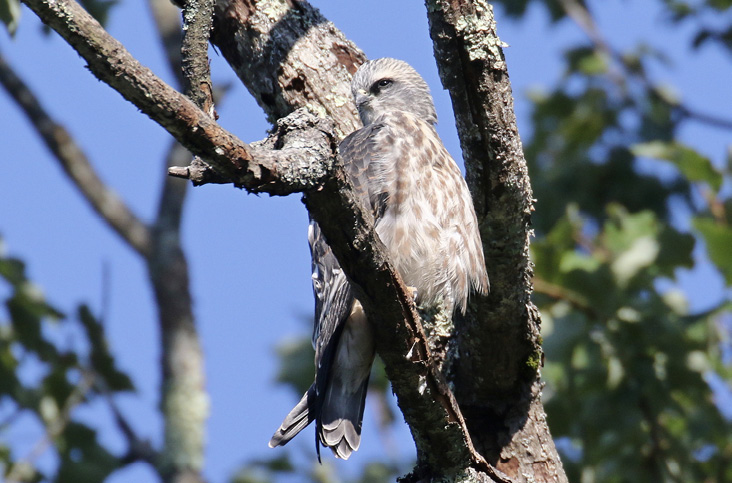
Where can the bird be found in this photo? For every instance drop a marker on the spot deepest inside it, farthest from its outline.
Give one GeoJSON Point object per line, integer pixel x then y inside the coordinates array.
{"type": "Point", "coordinates": [425, 217]}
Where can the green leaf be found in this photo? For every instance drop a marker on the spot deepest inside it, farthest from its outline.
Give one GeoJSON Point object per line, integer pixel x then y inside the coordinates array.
{"type": "Point", "coordinates": [10, 14]}
{"type": "Point", "coordinates": [692, 165]}
{"type": "Point", "coordinates": [12, 269]}
{"type": "Point", "coordinates": [718, 239]}
{"type": "Point", "coordinates": [639, 255]}
{"type": "Point", "coordinates": [83, 459]}
{"type": "Point", "coordinates": [586, 60]}
{"type": "Point", "coordinates": [101, 359]}
{"type": "Point", "coordinates": [676, 250]}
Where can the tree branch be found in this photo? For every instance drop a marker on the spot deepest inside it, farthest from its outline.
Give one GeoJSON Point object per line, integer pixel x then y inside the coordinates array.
{"type": "Point", "coordinates": [500, 331]}
{"type": "Point", "coordinates": [197, 21]}
{"type": "Point", "coordinates": [110, 62]}
{"type": "Point", "coordinates": [77, 166]}
{"type": "Point", "coordinates": [472, 68]}
{"type": "Point", "coordinates": [184, 399]}
{"type": "Point", "coordinates": [289, 56]}
{"type": "Point", "coordinates": [137, 449]}
{"type": "Point", "coordinates": [310, 167]}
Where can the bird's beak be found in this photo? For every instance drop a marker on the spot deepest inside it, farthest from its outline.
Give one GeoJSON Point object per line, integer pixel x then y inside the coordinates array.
{"type": "Point", "coordinates": [362, 98]}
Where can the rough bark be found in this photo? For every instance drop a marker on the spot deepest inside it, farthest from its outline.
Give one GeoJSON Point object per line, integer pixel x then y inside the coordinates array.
{"type": "Point", "coordinates": [497, 375]}
{"type": "Point", "coordinates": [197, 22]}
{"type": "Point", "coordinates": [499, 338]}
{"type": "Point", "coordinates": [289, 56]}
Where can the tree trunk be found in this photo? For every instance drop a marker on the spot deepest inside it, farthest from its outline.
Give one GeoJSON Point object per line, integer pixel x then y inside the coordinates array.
{"type": "Point", "coordinates": [496, 375]}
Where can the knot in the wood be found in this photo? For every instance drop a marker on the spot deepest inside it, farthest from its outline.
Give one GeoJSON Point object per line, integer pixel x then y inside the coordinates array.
{"type": "Point", "coordinates": [300, 153]}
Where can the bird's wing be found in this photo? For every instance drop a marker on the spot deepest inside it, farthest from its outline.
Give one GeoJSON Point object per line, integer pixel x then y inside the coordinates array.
{"type": "Point", "coordinates": [333, 295]}
{"type": "Point", "coordinates": [358, 152]}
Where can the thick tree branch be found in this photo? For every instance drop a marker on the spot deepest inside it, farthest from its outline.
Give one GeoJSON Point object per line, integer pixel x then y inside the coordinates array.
{"type": "Point", "coordinates": [184, 400]}
{"type": "Point", "coordinates": [289, 56]}
{"type": "Point", "coordinates": [501, 331]}
{"type": "Point", "coordinates": [308, 167]}
{"type": "Point", "coordinates": [76, 165]}
{"type": "Point", "coordinates": [111, 63]}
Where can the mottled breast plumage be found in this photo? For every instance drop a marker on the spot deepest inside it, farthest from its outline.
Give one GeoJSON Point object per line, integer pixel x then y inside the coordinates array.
{"type": "Point", "coordinates": [424, 210]}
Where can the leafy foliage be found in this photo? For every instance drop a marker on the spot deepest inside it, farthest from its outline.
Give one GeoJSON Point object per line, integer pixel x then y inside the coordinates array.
{"type": "Point", "coordinates": [42, 378]}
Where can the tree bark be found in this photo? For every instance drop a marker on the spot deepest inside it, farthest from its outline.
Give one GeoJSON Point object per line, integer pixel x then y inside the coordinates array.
{"type": "Point", "coordinates": [311, 167]}
{"type": "Point", "coordinates": [499, 338]}
{"type": "Point", "coordinates": [497, 378]}
{"type": "Point", "coordinates": [289, 56]}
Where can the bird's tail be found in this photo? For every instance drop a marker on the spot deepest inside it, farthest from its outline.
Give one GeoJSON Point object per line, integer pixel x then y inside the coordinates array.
{"type": "Point", "coordinates": [339, 424]}
{"type": "Point", "coordinates": [300, 416]}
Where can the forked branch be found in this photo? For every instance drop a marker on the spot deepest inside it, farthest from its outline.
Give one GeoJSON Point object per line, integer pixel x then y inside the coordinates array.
{"type": "Point", "coordinates": [310, 167]}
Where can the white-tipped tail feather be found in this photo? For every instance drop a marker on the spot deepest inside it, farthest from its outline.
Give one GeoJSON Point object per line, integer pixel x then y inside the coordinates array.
{"type": "Point", "coordinates": [295, 421]}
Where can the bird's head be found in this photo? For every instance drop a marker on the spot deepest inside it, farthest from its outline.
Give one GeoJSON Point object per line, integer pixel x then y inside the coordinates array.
{"type": "Point", "coordinates": [386, 85]}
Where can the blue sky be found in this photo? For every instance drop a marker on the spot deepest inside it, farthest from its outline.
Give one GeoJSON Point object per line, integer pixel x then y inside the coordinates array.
{"type": "Point", "coordinates": [248, 255]}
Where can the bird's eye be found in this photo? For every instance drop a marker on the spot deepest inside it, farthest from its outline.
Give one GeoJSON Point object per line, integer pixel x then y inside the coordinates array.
{"type": "Point", "coordinates": [380, 84]}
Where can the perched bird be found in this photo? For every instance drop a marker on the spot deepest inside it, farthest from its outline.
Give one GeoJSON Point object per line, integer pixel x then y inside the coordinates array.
{"type": "Point", "coordinates": [424, 215]}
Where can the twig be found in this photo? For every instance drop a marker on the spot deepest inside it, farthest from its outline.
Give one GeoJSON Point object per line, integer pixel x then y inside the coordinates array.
{"type": "Point", "coordinates": [709, 119]}
{"type": "Point", "coordinates": [137, 448]}
{"type": "Point", "coordinates": [562, 293]}
{"type": "Point", "coordinates": [582, 17]}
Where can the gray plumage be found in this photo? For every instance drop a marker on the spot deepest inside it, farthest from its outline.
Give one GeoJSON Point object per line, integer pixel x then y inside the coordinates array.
{"type": "Point", "coordinates": [424, 215]}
